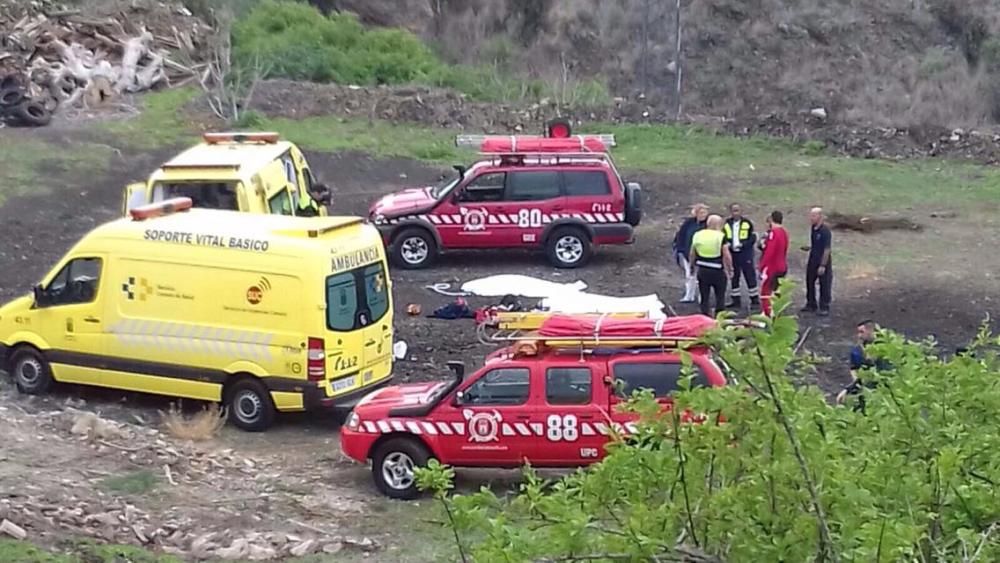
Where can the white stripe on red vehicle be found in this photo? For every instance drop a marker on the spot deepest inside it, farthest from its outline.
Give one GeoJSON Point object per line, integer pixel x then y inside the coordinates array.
{"type": "Point", "coordinates": [512, 429]}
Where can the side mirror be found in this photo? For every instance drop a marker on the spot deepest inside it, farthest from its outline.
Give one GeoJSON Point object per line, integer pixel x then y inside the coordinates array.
{"type": "Point", "coordinates": [41, 298]}
{"type": "Point", "coordinates": [321, 193]}
{"type": "Point", "coordinates": [461, 170]}
{"type": "Point", "coordinates": [457, 368]}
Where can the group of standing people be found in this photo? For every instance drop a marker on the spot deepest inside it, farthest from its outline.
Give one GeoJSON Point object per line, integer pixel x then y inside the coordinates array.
{"type": "Point", "coordinates": [713, 251]}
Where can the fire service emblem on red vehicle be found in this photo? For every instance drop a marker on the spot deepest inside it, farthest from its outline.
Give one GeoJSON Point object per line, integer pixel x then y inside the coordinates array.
{"type": "Point", "coordinates": [483, 426]}
{"type": "Point", "coordinates": [475, 219]}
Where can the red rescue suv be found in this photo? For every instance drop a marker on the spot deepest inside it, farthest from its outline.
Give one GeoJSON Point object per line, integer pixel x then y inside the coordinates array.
{"type": "Point", "coordinates": [558, 193]}
{"type": "Point", "coordinates": [548, 400]}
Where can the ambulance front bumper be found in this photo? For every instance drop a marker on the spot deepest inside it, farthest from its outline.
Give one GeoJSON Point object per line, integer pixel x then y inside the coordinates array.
{"type": "Point", "coordinates": [315, 398]}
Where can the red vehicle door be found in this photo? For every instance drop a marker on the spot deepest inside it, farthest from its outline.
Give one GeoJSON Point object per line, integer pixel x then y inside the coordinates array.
{"type": "Point", "coordinates": [471, 217]}
{"type": "Point", "coordinates": [571, 408]}
{"type": "Point", "coordinates": [595, 195]}
{"type": "Point", "coordinates": [660, 373]}
{"type": "Point", "coordinates": [533, 199]}
{"type": "Point", "coordinates": [475, 425]}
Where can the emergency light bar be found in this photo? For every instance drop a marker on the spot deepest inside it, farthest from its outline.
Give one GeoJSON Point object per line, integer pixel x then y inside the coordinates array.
{"type": "Point", "coordinates": [216, 138]}
{"type": "Point", "coordinates": [161, 208]}
{"type": "Point", "coordinates": [537, 144]}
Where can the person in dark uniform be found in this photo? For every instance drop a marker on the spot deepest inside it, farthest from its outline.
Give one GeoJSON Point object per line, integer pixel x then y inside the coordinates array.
{"type": "Point", "coordinates": [741, 238]}
{"type": "Point", "coordinates": [861, 359]}
{"type": "Point", "coordinates": [819, 268]}
{"type": "Point", "coordinates": [682, 246]}
{"type": "Point", "coordinates": [713, 263]}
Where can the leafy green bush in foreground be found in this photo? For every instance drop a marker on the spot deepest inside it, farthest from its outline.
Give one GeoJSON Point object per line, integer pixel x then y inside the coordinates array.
{"type": "Point", "coordinates": [786, 478]}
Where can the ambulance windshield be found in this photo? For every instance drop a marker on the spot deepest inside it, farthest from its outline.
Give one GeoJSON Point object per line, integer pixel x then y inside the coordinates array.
{"type": "Point", "coordinates": [209, 195]}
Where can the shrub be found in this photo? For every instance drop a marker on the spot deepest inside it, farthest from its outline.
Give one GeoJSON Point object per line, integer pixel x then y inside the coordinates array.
{"type": "Point", "coordinates": [787, 477]}
{"type": "Point", "coordinates": [294, 40]}
{"type": "Point", "coordinates": [814, 148]}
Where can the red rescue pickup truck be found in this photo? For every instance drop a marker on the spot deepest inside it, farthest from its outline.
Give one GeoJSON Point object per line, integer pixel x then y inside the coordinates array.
{"type": "Point", "coordinates": [562, 195]}
{"type": "Point", "coordinates": [549, 401]}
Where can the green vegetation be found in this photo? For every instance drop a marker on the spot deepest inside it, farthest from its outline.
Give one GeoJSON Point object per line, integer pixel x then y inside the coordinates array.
{"type": "Point", "coordinates": [159, 124]}
{"type": "Point", "coordinates": [134, 483]}
{"type": "Point", "coordinates": [786, 476]}
{"type": "Point", "coordinates": [29, 165]}
{"type": "Point", "coordinates": [377, 137]}
{"type": "Point", "coordinates": [294, 40]}
{"type": "Point", "coordinates": [286, 39]}
{"type": "Point", "coordinates": [778, 172]}
{"type": "Point", "coordinates": [79, 552]}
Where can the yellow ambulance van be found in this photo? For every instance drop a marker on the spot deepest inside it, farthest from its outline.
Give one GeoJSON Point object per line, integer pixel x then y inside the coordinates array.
{"type": "Point", "coordinates": [260, 313]}
{"type": "Point", "coordinates": [249, 172]}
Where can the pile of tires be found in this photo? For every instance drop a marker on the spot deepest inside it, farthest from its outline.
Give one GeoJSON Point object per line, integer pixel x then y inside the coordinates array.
{"type": "Point", "coordinates": [18, 108]}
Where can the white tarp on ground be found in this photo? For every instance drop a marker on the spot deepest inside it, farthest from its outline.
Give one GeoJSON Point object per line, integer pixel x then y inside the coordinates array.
{"type": "Point", "coordinates": [520, 286]}
{"type": "Point", "coordinates": [563, 298]}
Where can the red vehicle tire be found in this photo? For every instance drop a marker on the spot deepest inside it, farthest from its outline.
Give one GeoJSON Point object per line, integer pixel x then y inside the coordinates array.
{"type": "Point", "coordinates": [414, 248]}
{"type": "Point", "coordinates": [393, 467]}
{"type": "Point", "coordinates": [568, 247]}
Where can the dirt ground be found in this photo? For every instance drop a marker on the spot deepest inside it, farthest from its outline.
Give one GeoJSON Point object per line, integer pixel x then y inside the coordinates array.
{"type": "Point", "coordinates": [268, 494]}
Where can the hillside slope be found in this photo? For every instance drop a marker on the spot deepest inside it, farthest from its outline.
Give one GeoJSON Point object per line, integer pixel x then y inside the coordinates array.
{"type": "Point", "coordinates": [885, 62]}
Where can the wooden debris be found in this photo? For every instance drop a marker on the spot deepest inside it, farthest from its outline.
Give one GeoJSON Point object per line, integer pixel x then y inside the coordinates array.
{"type": "Point", "coordinates": [12, 530]}
{"type": "Point", "coordinates": [63, 58]}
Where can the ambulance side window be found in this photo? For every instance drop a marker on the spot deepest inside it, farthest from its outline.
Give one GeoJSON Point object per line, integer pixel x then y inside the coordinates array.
{"type": "Point", "coordinates": [377, 292]}
{"type": "Point", "coordinates": [486, 187]}
{"type": "Point", "coordinates": [502, 386]}
{"type": "Point", "coordinates": [77, 282]}
{"type": "Point", "coordinates": [280, 203]}
{"type": "Point", "coordinates": [341, 302]}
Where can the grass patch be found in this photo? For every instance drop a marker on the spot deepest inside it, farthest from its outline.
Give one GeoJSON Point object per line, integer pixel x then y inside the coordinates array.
{"type": "Point", "coordinates": [378, 138]}
{"type": "Point", "coordinates": [159, 124]}
{"type": "Point", "coordinates": [79, 552]}
{"type": "Point", "coordinates": [785, 174]}
{"type": "Point", "coordinates": [29, 165]}
{"type": "Point", "coordinates": [133, 483]}
{"type": "Point", "coordinates": [201, 426]}
{"type": "Point", "coordinates": [20, 551]}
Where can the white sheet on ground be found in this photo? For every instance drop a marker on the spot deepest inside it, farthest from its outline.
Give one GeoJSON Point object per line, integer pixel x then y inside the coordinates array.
{"type": "Point", "coordinates": [521, 286]}
{"type": "Point", "coordinates": [563, 297]}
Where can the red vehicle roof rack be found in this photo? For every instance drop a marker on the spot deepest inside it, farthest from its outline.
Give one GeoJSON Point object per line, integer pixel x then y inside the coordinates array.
{"type": "Point", "coordinates": [525, 144]}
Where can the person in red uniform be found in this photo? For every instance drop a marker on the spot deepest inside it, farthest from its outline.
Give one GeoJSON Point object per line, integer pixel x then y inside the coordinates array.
{"type": "Point", "coordinates": [774, 260]}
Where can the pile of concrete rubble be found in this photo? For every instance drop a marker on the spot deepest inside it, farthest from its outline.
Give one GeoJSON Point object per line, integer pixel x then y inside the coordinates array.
{"type": "Point", "coordinates": [52, 58]}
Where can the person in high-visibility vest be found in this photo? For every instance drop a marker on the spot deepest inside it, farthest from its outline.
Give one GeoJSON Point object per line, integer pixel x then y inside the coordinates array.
{"type": "Point", "coordinates": [714, 264]}
{"type": "Point", "coordinates": [741, 238]}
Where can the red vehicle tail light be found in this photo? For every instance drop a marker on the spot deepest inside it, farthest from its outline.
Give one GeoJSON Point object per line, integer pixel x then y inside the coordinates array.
{"type": "Point", "coordinates": [316, 360]}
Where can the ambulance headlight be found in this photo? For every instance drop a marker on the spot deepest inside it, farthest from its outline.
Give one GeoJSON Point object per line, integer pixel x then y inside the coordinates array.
{"type": "Point", "coordinates": [353, 420]}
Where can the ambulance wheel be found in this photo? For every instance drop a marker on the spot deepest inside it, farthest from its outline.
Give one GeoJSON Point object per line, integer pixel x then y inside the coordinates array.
{"type": "Point", "coordinates": [413, 249]}
{"type": "Point", "coordinates": [30, 371]}
{"type": "Point", "coordinates": [250, 406]}
{"type": "Point", "coordinates": [568, 247]}
{"type": "Point", "coordinates": [394, 465]}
